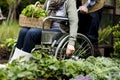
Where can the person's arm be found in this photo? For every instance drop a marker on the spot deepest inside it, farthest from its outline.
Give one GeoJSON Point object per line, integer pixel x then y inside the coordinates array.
{"type": "Point", "coordinates": [73, 20]}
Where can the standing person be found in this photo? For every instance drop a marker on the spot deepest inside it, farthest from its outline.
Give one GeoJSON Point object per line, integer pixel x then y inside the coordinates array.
{"type": "Point", "coordinates": [28, 37]}
{"type": "Point", "coordinates": [89, 19]}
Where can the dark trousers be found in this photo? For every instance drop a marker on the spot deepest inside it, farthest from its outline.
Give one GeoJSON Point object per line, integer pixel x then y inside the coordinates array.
{"type": "Point", "coordinates": [29, 37]}
{"type": "Point", "coordinates": [89, 25]}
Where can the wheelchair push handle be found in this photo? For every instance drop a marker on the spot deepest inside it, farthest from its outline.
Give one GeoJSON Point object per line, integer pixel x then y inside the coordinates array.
{"type": "Point", "coordinates": [53, 18]}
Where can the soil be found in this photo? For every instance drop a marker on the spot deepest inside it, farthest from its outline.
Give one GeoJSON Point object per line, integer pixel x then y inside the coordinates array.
{"type": "Point", "coordinates": [4, 54]}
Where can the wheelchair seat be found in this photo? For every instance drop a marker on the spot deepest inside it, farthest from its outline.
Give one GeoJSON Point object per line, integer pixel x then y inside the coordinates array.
{"type": "Point", "coordinates": [47, 37]}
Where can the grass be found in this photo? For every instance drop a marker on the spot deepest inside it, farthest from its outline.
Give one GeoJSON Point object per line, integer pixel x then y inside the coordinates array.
{"type": "Point", "coordinates": [10, 30]}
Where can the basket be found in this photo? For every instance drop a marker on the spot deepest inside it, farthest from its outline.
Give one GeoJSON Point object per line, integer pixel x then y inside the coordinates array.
{"type": "Point", "coordinates": [33, 22]}
{"type": "Point", "coordinates": [25, 21]}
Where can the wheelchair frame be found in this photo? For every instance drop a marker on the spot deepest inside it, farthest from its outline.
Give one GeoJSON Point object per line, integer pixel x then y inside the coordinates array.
{"type": "Point", "coordinates": [83, 46]}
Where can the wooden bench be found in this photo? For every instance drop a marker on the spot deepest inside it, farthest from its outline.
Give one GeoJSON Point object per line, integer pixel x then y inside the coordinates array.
{"type": "Point", "coordinates": [105, 50]}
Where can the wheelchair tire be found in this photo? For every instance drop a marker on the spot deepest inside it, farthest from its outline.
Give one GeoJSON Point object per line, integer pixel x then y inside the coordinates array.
{"type": "Point", "coordinates": [83, 48]}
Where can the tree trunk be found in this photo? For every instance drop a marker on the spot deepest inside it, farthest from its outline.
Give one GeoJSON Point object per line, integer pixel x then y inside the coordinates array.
{"type": "Point", "coordinates": [12, 10]}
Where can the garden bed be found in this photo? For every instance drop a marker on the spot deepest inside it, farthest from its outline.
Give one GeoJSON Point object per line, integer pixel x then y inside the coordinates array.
{"type": "Point", "coordinates": [4, 54]}
{"type": "Point", "coordinates": [46, 67]}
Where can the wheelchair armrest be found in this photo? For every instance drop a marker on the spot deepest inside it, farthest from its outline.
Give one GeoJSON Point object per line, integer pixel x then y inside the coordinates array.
{"type": "Point", "coordinates": [54, 18]}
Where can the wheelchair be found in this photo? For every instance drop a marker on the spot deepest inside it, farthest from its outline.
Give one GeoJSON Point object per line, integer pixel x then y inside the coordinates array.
{"type": "Point", "coordinates": [55, 43]}
{"type": "Point", "coordinates": [58, 43]}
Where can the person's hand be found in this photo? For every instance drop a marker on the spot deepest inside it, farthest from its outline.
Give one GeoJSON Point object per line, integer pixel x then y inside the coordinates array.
{"type": "Point", "coordinates": [70, 50]}
{"type": "Point", "coordinates": [83, 9]}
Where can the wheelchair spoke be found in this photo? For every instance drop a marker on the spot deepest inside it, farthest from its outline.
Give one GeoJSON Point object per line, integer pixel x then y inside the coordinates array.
{"type": "Point", "coordinates": [83, 48]}
{"type": "Point", "coordinates": [83, 51]}
{"type": "Point", "coordinates": [80, 47]}
{"type": "Point", "coordinates": [62, 51]}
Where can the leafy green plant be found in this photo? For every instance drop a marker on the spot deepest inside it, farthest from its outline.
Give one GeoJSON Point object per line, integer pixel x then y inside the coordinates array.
{"type": "Point", "coordinates": [117, 49]}
{"type": "Point", "coordinates": [42, 1]}
{"type": "Point", "coordinates": [9, 43]}
{"type": "Point", "coordinates": [104, 34]}
{"type": "Point", "coordinates": [33, 11]}
{"type": "Point", "coordinates": [116, 31]}
{"type": "Point", "coordinates": [118, 3]}
{"type": "Point", "coordinates": [116, 41]}
{"type": "Point", "coordinates": [45, 66]}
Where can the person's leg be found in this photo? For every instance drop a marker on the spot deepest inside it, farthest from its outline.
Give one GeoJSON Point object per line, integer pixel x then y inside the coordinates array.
{"type": "Point", "coordinates": [94, 26]}
{"type": "Point", "coordinates": [33, 36]}
{"type": "Point", "coordinates": [84, 22]}
{"type": "Point", "coordinates": [93, 31]}
{"type": "Point", "coordinates": [18, 52]}
{"type": "Point", "coordinates": [21, 37]}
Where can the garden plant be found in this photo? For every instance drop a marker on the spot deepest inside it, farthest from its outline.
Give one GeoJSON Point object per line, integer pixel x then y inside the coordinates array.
{"type": "Point", "coordinates": [47, 67]}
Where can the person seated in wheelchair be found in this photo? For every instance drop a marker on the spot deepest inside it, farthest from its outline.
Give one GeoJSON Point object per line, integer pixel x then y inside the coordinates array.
{"type": "Point", "coordinates": [28, 37]}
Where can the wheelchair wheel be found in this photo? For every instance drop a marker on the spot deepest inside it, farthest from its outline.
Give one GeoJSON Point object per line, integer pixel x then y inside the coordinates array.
{"type": "Point", "coordinates": [83, 48]}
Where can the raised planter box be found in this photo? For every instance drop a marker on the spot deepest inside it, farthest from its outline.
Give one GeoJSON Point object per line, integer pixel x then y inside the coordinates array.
{"type": "Point", "coordinates": [105, 50]}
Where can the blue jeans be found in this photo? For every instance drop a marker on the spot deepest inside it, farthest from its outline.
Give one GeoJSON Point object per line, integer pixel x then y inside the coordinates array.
{"type": "Point", "coordinates": [29, 37]}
